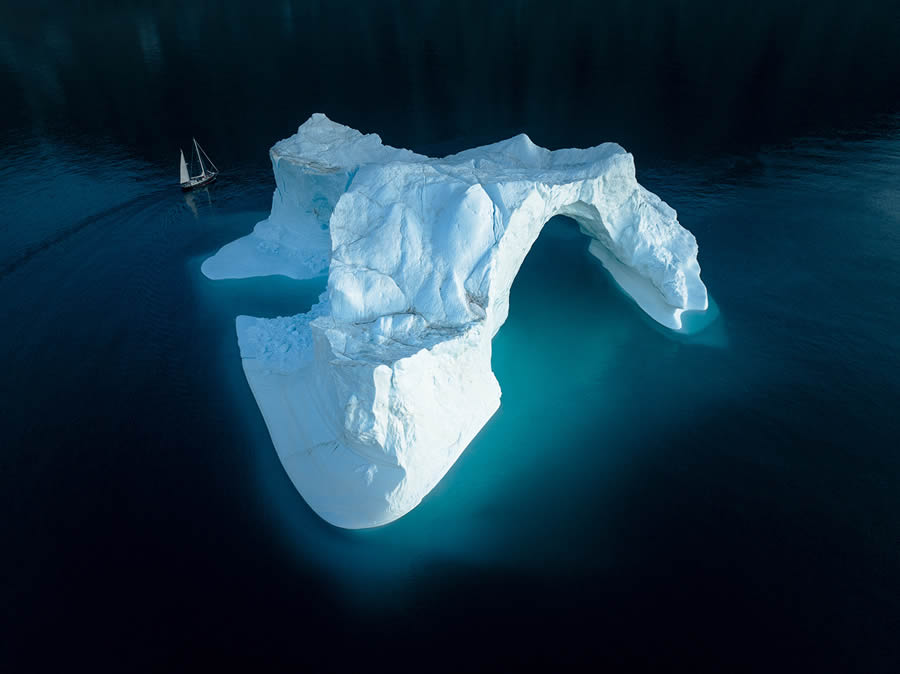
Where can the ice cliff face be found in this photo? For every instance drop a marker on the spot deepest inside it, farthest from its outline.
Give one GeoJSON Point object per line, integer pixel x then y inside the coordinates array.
{"type": "Point", "coordinates": [372, 395]}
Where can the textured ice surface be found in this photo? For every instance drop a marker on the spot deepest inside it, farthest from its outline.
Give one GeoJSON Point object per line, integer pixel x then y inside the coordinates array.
{"type": "Point", "coordinates": [372, 395]}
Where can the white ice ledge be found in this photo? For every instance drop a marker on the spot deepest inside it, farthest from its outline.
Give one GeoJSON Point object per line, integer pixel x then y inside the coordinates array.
{"type": "Point", "coordinates": [372, 395]}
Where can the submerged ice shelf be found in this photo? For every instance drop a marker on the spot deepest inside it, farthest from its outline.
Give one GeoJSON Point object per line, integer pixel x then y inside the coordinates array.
{"type": "Point", "coordinates": [372, 395]}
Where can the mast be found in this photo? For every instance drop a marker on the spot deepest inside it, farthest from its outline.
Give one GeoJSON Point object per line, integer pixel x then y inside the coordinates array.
{"type": "Point", "coordinates": [209, 161]}
{"type": "Point", "coordinates": [200, 157]}
{"type": "Point", "coordinates": [185, 176]}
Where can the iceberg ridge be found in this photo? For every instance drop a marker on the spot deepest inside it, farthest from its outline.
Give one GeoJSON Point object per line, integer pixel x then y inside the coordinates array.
{"type": "Point", "coordinates": [372, 395]}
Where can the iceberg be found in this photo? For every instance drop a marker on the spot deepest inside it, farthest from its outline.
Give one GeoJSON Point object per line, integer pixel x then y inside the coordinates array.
{"type": "Point", "coordinates": [372, 395]}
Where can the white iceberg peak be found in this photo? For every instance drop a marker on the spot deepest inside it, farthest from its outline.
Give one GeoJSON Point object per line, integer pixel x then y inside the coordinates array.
{"type": "Point", "coordinates": [373, 395]}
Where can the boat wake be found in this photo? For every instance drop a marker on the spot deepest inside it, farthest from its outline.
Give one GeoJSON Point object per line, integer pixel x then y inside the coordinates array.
{"type": "Point", "coordinates": [35, 249]}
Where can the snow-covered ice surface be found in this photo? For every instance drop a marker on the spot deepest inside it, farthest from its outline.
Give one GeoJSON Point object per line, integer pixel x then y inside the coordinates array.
{"type": "Point", "coordinates": [372, 395]}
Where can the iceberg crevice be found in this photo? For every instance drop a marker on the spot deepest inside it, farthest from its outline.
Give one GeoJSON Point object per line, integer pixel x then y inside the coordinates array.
{"type": "Point", "coordinates": [372, 395]}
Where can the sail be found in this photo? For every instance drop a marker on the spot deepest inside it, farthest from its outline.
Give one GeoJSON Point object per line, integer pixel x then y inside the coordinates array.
{"type": "Point", "coordinates": [185, 177]}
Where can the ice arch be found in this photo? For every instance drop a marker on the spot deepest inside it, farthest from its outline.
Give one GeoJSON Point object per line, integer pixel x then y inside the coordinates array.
{"type": "Point", "coordinates": [373, 395]}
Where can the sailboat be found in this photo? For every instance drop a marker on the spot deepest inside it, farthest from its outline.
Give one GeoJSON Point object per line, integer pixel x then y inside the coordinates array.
{"type": "Point", "coordinates": [208, 170]}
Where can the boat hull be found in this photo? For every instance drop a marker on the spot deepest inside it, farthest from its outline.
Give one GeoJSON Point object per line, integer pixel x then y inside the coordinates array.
{"type": "Point", "coordinates": [198, 182]}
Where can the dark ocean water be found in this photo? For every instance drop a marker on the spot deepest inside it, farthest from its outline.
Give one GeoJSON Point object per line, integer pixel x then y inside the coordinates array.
{"type": "Point", "coordinates": [729, 500]}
